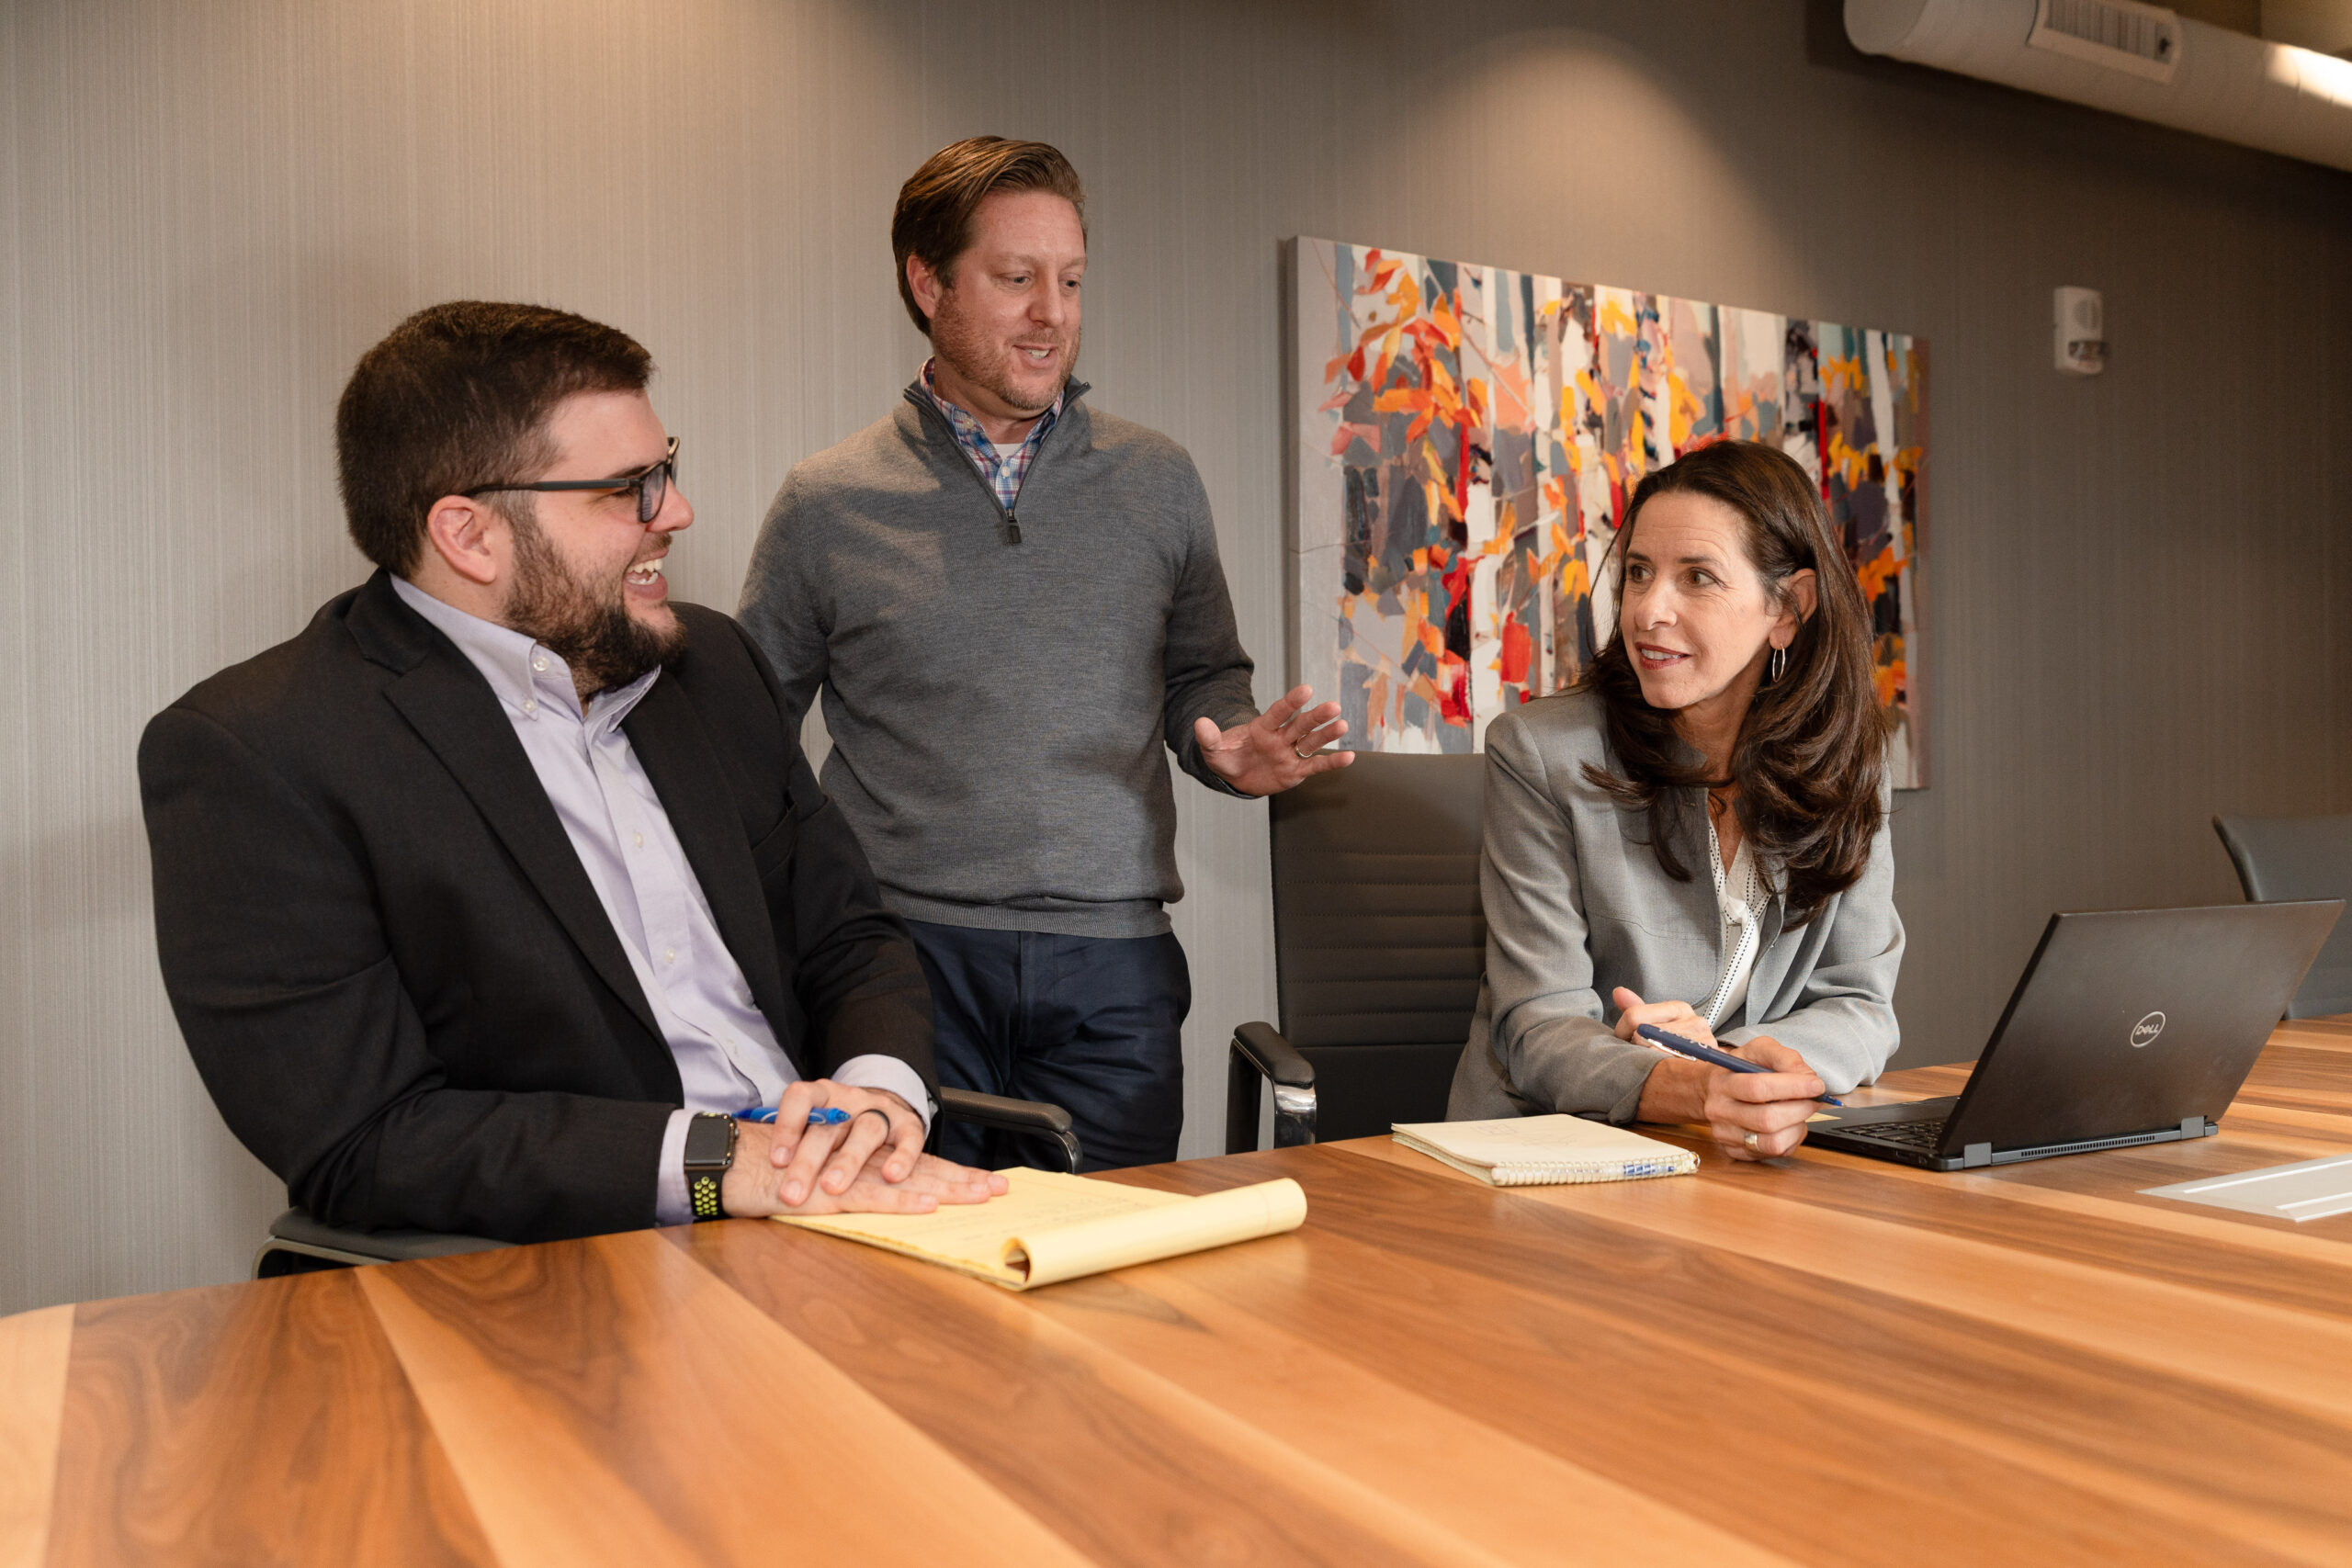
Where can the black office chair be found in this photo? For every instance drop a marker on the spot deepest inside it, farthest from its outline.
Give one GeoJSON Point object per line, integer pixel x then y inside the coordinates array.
{"type": "Point", "coordinates": [1379, 944]}
{"type": "Point", "coordinates": [2299, 857]}
{"type": "Point", "coordinates": [297, 1243]}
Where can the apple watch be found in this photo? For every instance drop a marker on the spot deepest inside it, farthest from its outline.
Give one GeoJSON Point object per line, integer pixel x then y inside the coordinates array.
{"type": "Point", "coordinates": [710, 1149]}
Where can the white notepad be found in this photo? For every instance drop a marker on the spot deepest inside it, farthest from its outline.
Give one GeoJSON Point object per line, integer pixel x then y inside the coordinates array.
{"type": "Point", "coordinates": [2307, 1190]}
{"type": "Point", "coordinates": [1533, 1151]}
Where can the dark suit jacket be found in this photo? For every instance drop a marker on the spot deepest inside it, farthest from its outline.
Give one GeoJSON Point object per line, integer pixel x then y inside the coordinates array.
{"type": "Point", "coordinates": [394, 973]}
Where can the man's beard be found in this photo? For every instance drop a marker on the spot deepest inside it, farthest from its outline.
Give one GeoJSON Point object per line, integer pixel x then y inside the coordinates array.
{"type": "Point", "coordinates": [971, 354]}
{"type": "Point", "coordinates": [592, 633]}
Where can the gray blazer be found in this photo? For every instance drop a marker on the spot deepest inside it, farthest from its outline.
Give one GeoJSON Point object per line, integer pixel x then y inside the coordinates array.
{"type": "Point", "coordinates": [1577, 906]}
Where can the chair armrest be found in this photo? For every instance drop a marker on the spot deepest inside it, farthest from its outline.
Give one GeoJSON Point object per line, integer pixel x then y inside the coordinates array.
{"type": "Point", "coordinates": [1259, 1052]}
{"type": "Point", "coordinates": [1006, 1115]}
{"type": "Point", "coordinates": [296, 1233]}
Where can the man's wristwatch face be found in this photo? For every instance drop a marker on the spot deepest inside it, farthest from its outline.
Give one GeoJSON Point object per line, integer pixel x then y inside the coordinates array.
{"type": "Point", "coordinates": [710, 1149]}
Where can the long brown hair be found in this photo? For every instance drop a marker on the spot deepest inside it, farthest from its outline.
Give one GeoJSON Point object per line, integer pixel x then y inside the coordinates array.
{"type": "Point", "coordinates": [1811, 750]}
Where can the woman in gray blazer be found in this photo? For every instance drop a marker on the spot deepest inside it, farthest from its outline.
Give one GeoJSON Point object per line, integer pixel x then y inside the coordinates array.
{"type": "Point", "coordinates": [1695, 836]}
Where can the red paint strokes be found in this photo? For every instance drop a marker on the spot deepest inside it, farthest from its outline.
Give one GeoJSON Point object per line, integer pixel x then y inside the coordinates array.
{"type": "Point", "coordinates": [1455, 708]}
{"type": "Point", "coordinates": [1458, 582]}
{"type": "Point", "coordinates": [1518, 651]}
{"type": "Point", "coordinates": [1462, 471]}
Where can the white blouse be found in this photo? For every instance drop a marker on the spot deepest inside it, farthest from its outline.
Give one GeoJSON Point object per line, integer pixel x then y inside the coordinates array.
{"type": "Point", "coordinates": [1739, 896]}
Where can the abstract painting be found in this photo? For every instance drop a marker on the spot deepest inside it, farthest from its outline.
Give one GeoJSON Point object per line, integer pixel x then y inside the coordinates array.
{"type": "Point", "coordinates": [1469, 437]}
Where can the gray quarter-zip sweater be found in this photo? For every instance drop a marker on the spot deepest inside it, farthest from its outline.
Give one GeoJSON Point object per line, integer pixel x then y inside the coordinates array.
{"type": "Point", "coordinates": [1001, 713]}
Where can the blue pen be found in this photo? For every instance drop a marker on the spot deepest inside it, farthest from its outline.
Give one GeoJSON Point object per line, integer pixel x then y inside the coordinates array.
{"type": "Point", "coordinates": [1708, 1054]}
{"type": "Point", "coordinates": [823, 1116]}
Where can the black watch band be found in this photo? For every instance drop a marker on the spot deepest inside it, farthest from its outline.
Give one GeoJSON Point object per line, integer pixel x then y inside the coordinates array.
{"type": "Point", "coordinates": [710, 1149]}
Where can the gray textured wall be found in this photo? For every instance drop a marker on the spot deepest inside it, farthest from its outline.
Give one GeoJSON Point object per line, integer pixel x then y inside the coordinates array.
{"type": "Point", "coordinates": [2136, 586]}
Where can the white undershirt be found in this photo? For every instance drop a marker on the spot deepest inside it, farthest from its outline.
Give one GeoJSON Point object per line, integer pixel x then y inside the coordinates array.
{"type": "Point", "coordinates": [1739, 900]}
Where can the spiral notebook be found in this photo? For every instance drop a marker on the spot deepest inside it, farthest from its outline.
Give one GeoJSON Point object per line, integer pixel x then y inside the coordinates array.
{"type": "Point", "coordinates": [1536, 1151]}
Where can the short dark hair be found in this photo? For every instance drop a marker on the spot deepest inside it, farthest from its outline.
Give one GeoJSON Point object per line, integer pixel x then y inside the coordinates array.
{"type": "Point", "coordinates": [933, 219]}
{"type": "Point", "coordinates": [1811, 752]}
{"type": "Point", "coordinates": [459, 396]}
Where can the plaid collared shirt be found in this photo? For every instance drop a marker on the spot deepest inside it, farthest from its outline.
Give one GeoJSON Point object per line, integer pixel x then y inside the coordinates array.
{"type": "Point", "coordinates": [1003, 474]}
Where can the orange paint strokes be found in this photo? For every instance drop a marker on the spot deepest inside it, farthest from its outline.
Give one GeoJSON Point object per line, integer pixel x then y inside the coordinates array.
{"type": "Point", "coordinates": [1875, 574]}
{"type": "Point", "coordinates": [1442, 390]}
{"type": "Point", "coordinates": [1843, 377]}
{"type": "Point", "coordinates": [1850, 463]}
{"type": "Point", "coordinates": [1406, 297]}
{"type": "Point", "coordinates": [1442, 317]}
{"type": "Point", "coordinates": [1441, 501]}
{"type": "Point", "coordinates": [1389, 342]}
{"type": "Point", "coordinates": [1507, 391]}
{"type": "Point", "coordinates": [1683, 409]}
{"type": "Point", "coordinates": [1576, 578]}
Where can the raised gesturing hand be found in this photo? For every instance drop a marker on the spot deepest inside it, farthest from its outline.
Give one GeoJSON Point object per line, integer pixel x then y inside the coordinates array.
{"type": "Point", "coordinates": [1278, 748]}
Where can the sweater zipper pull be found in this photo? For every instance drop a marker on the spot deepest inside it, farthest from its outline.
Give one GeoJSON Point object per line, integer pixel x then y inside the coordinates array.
{"type": "Point", "coordinates": [1011, 529]}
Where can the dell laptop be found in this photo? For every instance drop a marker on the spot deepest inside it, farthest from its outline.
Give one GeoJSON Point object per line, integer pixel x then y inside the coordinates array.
{"type": "Point", "coordinates": [2128, 1026]}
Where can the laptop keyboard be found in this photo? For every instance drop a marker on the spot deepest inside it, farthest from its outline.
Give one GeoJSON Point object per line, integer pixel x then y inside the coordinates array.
{"type": "Point", "coordinates": [1911, 1135]}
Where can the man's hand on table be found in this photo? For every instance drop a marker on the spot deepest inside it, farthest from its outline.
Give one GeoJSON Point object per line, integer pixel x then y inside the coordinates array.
{"type": "Point", "coordinates": [873, 1163]}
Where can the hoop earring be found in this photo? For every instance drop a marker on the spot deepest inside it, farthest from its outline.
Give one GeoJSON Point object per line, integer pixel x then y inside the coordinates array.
{"type": "Point", "coordinates": [1780, 664]}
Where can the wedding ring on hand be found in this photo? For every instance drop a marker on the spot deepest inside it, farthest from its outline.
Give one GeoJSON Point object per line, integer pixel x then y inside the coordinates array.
{"type": "Point", "coordinates": [888, 1127]}
{"type": "Point", "coordinates": [1302, 756]}
{"type": "Point", "coordinates": [1749, 1140]}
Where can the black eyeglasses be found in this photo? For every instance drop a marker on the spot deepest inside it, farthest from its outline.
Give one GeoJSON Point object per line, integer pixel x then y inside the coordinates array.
{"type": "Point", "coordinates": [651, 484]}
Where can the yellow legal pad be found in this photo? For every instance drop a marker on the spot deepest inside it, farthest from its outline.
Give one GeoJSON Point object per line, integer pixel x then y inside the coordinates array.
{"type": "Point", "coordinates": [1051, 1227]}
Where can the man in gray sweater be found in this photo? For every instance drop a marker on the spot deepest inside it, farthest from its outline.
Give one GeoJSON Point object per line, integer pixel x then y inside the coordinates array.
{"type": "Point", "coordinates": [1014, 606]}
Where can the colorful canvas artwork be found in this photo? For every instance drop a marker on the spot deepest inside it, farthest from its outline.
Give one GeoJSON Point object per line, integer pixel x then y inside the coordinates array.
{"type": "Point", "coordinates": [1469, 437]}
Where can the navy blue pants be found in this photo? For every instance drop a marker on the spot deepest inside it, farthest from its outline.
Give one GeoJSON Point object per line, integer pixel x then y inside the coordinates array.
{"type": "Point", "coordinates": [1094, 1024]}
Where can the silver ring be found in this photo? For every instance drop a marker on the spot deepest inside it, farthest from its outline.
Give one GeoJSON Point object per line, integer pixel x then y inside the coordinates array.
{"type": "Point", "coordinates": [1302, 756]}
{"type": "Point", "coordinates": [1749, 1140]}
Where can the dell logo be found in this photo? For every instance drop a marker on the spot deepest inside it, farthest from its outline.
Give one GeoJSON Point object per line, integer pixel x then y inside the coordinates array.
{"type": "Point", "coordinates": [2146, 1032]}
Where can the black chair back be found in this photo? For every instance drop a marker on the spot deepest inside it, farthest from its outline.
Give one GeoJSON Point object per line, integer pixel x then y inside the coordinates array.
{"type": "Point", "coordinates": [1379, 938]}
{"type": "Point", "coordinates": [2299, 857]}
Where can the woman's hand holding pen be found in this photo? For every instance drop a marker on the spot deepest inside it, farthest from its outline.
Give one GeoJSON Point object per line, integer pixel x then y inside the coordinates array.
{"type": "Point", "coordinates": [1771, 1108]}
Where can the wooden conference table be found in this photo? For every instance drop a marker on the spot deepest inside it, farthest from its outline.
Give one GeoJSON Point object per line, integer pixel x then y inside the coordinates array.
{"type": "Point", "coordinates": [1824, 1360]}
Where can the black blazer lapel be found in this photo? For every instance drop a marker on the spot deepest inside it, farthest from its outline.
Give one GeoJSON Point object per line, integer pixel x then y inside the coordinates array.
{"type": "Point", "coordinates": [667, 735]}
{"type": "Point", "coordinates": [449, 703]}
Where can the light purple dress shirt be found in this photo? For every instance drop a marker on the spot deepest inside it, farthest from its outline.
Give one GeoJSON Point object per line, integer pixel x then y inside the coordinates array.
{"type": "Point", "coordinates": [727, 1055]}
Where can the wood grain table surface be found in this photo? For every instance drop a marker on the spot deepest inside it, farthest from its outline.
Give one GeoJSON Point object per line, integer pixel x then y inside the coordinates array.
{"type": "Point", "coordinates": [1820, 1361]}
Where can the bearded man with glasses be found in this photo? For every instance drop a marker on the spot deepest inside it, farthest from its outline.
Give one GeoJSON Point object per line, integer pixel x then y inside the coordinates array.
{"type": "Point", "coordinates": [488, 900]}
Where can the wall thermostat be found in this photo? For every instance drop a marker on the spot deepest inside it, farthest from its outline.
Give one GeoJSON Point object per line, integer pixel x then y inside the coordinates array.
{"type": "Point", "coordinates": [2080, 317]}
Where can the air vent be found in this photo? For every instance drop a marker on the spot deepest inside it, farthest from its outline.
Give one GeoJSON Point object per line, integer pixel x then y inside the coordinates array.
{"type": "Point", "coordinates": [2114, 55]}
{"type": "Point", "coordinates": [2119, 34]}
